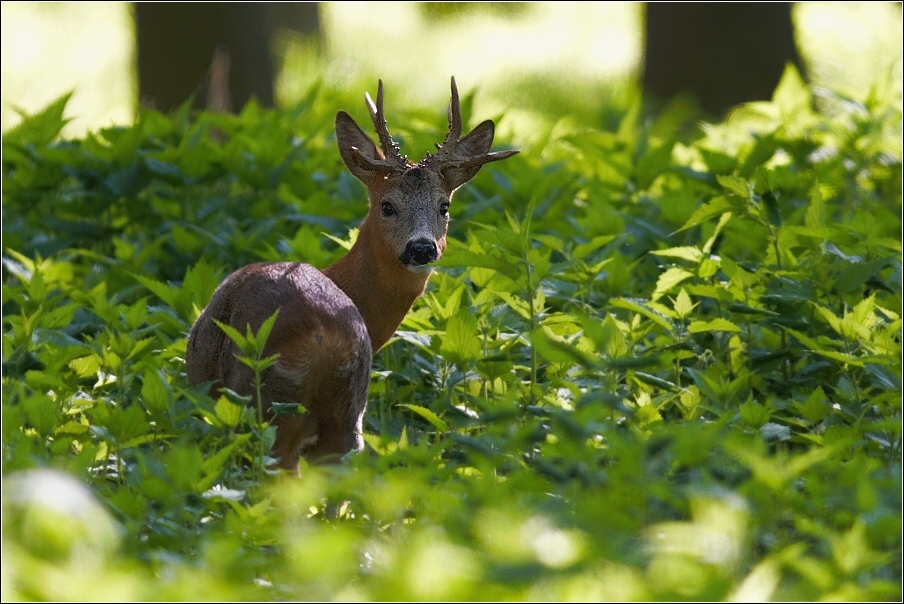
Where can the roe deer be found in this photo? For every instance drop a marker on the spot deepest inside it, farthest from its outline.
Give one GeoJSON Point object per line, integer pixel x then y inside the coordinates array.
{"type": "Point", "coordinates": [331, 322]}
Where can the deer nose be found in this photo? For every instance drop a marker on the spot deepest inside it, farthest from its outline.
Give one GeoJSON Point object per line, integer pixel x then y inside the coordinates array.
{"type": "Point", "coordinates": [419, 252]}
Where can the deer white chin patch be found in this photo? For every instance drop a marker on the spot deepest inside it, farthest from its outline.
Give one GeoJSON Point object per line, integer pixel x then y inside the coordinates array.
{"type": "Point", "coordinates": [419, 269]}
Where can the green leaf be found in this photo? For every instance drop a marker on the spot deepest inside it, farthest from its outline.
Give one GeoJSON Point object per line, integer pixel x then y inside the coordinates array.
{"type": "Point", "coordinates": [228, 412]}
{"type": "Point", "coordinates": [683, 305]}
{"type": "Point", "coordinates": [212, 468]}
{"type": "Point", "coordinates": [816, 210]}
{"type": "Point", "coordinates": [773, 432]}
{"type": "Point", "coordinates": [347, 243]}
{"type": "Point", "coordinates": [379, 444]}
{"type": "Point", "coordinates": [240, 341]}
{"type": "Point", "coordinates": [165, 292]}
{"type": "Point", "coordinates": [717, 324]}
{"type": "Point", "coordinates": [686, 253]}
{"type": "Point", "coordinates": [792, 94]}
{"type": "Point", "coordinates": [184, 464]}
{"type": "Point", "coordinates": [750, 310]}
{"type": "Point", "coordinates": [557, 350]}
{"type": "Point", "coordinates": [669, 279]}
{"type": "Point", "coordinates": [263, 333]}
{"type": "Point", "coordinates": [428, 415]}
{"type": "Point", "coordinates": [200, 282]}
{"type": "Point", "coordinates": [653, 163]}
{"type": "Point", "coordinates": [457, 257]}
{"type": "Point", "coordinates": [652, 380]}
{"type": "Point", "coordinates": [42, 413]}
{"type": "Point", "coordinates": [595, 244]}
{"type": "Point", "coordinates": [715, 207]}
{"type": "Point", "coordinates": [519, 305]}
{"type": "Point", "coordinates": [754, 414]}
{"type": "Point", "coordinates": [42, 127]}
{"type": "Point", "coordinates": [814, 346]}
{"type": "Point", "coordinates": [58, 317]}
{"type": "Point", "coordinates": [855, 274]}
{"type": "Point", "coordinates": [186, 241]}
{"type": "Point", "coordinates": [773, 213]}
{"type": "Point", "coordinates": [717, 162]}
{"type": "Point", "coordinates": [736, 185]}
{"type": "Point", "coordinates": [287, 409]}
{"type": "Point", "coordinates": [126, 424]}
{"type": "Point", "coordinates": [85, 366]}
{"type": "Point", "coordinates": [815, 408]}
{"type": "Point", "coordinates": [460, 343]}
{"type": "Point", "coordinates": [708, 246]}
{"type": "Point", "coordinates": [739, 277]}
{"type": "Point", "coordinates": [154, 391]}
{"type": "Point", "coordinates": [258, 363]}
{"type": "Point", "coordinates": [446, 305]}
{"type": "Point", "coordinates": [607, 336]}
{"type": "Point", "coordinates": [842, 326]}
{"type": "Point", "coordinates": [640, 308]}
{"type": "Point", "coordinates": [139, 347]}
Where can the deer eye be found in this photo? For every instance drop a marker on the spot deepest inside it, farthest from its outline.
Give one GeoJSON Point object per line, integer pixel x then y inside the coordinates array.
{"type": "Point", "coordinates": [444, 208]}
{"type": "Point", "coordinates": [386, 209]}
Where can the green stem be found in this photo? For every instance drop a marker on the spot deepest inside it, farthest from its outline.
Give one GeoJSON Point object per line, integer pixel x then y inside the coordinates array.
{"type": "Point", "coordinates": [778, 258]}
{"type": "Point", "coordinates": [119, 467]}
{"type": "Point", "coordinates": [533, 325]}
{"type": "Point", "coordinates": [258, 465]}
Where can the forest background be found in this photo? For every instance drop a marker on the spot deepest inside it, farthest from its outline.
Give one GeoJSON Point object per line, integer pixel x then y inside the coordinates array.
{"type": "Point", "coordinates": [660, 359]}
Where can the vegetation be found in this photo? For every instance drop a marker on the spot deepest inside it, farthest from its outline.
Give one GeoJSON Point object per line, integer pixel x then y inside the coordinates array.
{"type": "Point", "coordinates": [660, 361]}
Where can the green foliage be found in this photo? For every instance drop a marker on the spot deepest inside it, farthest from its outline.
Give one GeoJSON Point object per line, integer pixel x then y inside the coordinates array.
{"type": "Point", "coordinates": [252, 346]}
{"type": "Point", "coordinates": [657, 363]}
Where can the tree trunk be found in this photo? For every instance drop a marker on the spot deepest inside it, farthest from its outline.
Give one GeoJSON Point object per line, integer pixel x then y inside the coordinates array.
{"type": "Point", "coordinates": [219, 52]}
{"type": "Point", "coordinates": [722, 53]}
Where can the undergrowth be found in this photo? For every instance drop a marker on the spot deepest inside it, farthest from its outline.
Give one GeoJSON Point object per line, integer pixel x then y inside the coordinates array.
{"type": "Point", "coordinates": [656, 363]}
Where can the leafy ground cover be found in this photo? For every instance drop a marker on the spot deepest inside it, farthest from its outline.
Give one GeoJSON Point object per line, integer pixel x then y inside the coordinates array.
{"type": "Point", "coordinates": [660, 361]}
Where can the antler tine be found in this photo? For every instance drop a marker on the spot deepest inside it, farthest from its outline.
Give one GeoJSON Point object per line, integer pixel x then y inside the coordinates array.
{"type": "Point", "coordinates": [462, 158]}
{"type": "Point", "coordinates": [389, 146]}
{"type": "Point", "coordinates": [454, 114]}
{"type": "Point", "coordinates": [454, 134]}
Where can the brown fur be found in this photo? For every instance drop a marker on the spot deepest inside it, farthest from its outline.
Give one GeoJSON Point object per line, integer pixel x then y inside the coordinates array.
{"type": "Point", "coordinates": [331, 322]}
{"type": "Point", "coordinates": [324, 349]}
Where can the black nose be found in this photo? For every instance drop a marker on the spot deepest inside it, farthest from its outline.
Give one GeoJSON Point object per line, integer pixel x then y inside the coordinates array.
{"type": "Point", "coordinates": [421, 251]}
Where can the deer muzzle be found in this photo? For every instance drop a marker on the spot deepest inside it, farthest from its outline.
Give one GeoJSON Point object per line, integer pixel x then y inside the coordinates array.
{"type": "Point", "coordinates": [419, 253]}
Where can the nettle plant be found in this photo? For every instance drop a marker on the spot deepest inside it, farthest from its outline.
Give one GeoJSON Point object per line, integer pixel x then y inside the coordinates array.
{"type": "Point", "coordinates": [638, 343]}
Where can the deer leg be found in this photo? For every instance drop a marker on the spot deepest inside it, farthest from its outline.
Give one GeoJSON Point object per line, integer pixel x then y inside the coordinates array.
{"type": "Point", "coordinates": [293, 434]}
{"type": "Point", "coordinates": [340, 415]}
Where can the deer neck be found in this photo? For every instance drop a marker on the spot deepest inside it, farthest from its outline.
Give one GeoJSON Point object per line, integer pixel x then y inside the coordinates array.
{"type": "Point", "coordinates": [382, 289]}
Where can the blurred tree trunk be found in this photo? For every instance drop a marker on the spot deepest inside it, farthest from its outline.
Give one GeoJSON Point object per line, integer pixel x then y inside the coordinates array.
{"type": "Point", "coordinates": [722, 53]}
{"type": "Point", "coordinates": [218, 51]}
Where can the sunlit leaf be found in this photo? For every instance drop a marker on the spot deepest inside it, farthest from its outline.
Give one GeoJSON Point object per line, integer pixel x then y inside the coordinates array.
{"type": "Point", "coordinates": [669, 279]}
{"type": "Point", "coordinates": [682, 304]}
{"type": "Point", "coordinates": [460, 343]}
{"type": "Point", "coordinates": [428, 415]}
{"type": "Point", "coordinates": [712, 325]}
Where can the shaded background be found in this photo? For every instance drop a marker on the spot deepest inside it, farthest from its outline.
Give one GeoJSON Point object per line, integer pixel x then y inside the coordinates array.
{"type": "Point", "coordinates": [587, 58]}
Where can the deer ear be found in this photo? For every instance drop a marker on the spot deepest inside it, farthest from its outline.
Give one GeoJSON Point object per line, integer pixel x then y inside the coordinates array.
{"type": "Point", "coordinates": [468, 156]}
{"type": "Point", "coordinates": [360, 154]}
{"type": "Point", "coordinates": [478, 141]}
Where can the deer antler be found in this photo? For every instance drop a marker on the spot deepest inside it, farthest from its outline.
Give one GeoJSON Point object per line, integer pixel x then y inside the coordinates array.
{"type": "Point", "coordinates": [390, 148]}
{"type": "Point", "coordinates": [454, 118]}
{"type": "Point", "coordinates": [456, 160]}
{"type": "Point", "coordinates": [460, 158]}
{"type": "Point", "coordinates": [445, 151]}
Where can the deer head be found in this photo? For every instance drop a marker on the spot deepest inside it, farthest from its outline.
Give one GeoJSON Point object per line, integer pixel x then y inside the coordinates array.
{"type": "Point", "coordinates": [409, 203]}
